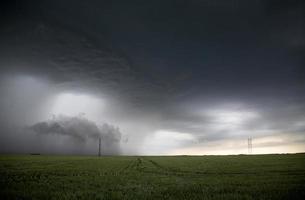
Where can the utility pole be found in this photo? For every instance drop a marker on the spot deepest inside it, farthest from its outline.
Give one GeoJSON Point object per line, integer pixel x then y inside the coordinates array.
{"type": "Point", "coordinates": [99, 147]}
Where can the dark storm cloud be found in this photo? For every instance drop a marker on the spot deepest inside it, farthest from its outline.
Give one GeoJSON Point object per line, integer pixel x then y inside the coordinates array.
{"type": "Point", "coordinates": [174, 49]}
{"type": "Point", "coordinates": [165, 65]}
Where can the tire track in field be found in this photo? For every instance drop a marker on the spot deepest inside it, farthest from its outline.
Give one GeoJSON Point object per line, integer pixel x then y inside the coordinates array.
{"type": "Point", "coordinates": [161, 169]}
{"type": "Point", "coordinates": [141, 165]}
{"type": "Point", "coordinates": [178, 172]}
{"type": "Point", "coordinates": [134, 165]}
{"type": "Point", "coordinates": [128, 167]}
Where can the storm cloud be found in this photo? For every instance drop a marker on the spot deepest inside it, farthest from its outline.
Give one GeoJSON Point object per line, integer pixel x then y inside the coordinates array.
{"type": "Point", "coordinates": [77, 127]}
{"type": "Point", "coordinates": [177, 77]}
{"type": "Point", "coordinates": [81, 129]}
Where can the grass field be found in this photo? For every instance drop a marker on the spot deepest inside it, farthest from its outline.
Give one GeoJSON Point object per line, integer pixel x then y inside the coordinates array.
{"type": "Point", "coordinates": [180, 177]}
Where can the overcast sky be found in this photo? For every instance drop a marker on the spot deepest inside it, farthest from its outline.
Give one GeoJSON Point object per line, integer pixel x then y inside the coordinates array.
{"type": "Point", "coordinates": [152, 77]}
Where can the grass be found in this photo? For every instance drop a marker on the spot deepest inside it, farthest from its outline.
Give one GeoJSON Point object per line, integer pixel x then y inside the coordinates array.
{"type": "Point", "coordinates": [180, 177]}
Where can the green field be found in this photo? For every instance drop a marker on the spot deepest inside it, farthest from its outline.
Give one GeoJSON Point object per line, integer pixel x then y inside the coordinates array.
{"type": "Point", "coordinates": [180, 177]}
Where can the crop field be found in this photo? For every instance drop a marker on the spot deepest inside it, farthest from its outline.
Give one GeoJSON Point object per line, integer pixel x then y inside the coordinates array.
{"type": "Point", "coordinates": [176, 177]}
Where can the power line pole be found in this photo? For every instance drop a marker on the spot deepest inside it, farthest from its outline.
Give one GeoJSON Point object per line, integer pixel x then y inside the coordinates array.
{"type": "Point", "coordinates": [99, 147]}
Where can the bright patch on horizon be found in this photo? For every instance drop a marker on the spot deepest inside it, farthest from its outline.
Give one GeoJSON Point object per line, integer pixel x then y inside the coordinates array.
{"type": "Point", "coordinates": [163, 141]}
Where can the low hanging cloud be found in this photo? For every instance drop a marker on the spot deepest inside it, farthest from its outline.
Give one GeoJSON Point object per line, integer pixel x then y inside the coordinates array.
{"type": "Point", "coordinates": [80, 130]}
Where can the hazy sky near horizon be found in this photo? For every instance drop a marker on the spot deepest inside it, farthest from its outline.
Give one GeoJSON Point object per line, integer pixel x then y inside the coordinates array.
{"type": "Point", "coordinates": [152, 77]}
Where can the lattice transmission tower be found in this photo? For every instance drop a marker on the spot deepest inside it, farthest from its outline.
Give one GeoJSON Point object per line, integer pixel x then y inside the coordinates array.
{"type": "Point", "coordinates": [249, 145]}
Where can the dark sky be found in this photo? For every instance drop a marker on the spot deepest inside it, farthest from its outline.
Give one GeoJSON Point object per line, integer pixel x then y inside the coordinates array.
{"type": "Point", "coordinates": [164, 77]}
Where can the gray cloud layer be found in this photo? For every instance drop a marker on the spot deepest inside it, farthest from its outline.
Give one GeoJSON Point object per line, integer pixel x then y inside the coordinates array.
{"type": "Point", "coordinates": [167, 66]}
